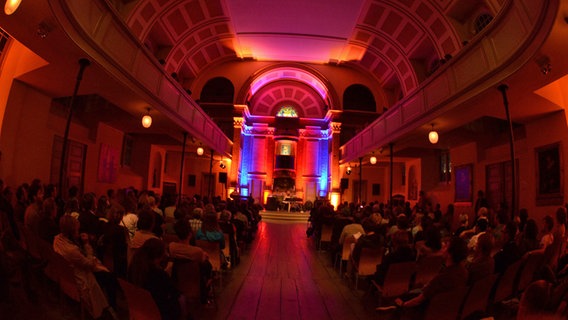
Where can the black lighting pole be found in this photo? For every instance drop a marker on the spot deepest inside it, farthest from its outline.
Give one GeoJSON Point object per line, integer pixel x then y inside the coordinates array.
{"type": "Point", "coordinates": [503, 88]}
{"type": "Point", "coordinates": [181, 167]}
{"type": "Point", "coordinates": [83, 63]}
{"type": "Point", "coordinates": [210, 177]}
{"type": "Point", "coordinates": [391, 172]}
{"type": "Point", "coordinates": [360, 180]}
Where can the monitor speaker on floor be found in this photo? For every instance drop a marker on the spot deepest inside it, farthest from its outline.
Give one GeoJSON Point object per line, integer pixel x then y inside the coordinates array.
{"type": "Point", "coordinates": [344, 183]}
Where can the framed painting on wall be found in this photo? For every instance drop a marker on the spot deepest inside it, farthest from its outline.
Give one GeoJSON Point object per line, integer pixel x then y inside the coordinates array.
{"type": "Point", "coordinates": [549, 175]}
{"type": "Point", "coordinates": [108, 164]}
{"type": "Point", "coordinates": [464, 183]}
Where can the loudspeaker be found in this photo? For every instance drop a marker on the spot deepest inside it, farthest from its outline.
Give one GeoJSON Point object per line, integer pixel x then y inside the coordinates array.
{"type": "Point", "coordinates": [191, 180]}
{"type": "Point", "coordinates": [344, 183]}
{"type": "Point", "coordinates": [222, 177]}
{"type": "Point", "coordinates": [271, 203]}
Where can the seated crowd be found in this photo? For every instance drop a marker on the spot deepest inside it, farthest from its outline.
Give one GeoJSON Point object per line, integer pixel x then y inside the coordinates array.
{"type": "Point", "coordinates": [124, 234]}
{"type": "Point", "coordinates": [467, 253]}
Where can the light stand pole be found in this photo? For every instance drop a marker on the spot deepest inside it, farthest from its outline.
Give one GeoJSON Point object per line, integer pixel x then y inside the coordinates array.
{"type": "Point", "coordinates": [83, 63]}
{"type": "Point", "coordinates": [503, 88]}
{"type": "Point", "coordinates": [210, 177]}
{"type": "Point", "coordinates": [391, 172]}
{"type": "Point", "coordinates": [360, 180]}
{"type": "Point", "coordinates": [181, 166]}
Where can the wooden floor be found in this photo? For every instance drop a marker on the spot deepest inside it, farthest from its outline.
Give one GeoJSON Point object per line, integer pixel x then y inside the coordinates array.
{"type": "Point", "coordinates": [282, 276]}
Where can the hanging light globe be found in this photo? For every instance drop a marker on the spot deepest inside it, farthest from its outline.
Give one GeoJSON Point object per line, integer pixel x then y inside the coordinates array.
{"type": "Point", "coordinates": [147, 119]}
{"type": "Point", "coordinates": [433, 137]}
{"type": "Point", "coordinates": [11, 6]}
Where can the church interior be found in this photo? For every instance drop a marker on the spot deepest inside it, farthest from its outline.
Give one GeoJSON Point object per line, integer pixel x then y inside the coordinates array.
{"type": "Point", "coordinates": [288, 102]}
{"type": "Point", "coordinates": [281, 103]}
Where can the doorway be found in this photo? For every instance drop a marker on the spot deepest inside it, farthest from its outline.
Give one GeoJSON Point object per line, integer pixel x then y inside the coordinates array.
{"type": "Point", "coordinates": [75, 164]}
{"type": "Point", "coordinates": [355, 191]}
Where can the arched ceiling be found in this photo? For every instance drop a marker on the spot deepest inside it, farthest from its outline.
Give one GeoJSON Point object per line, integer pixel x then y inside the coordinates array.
{"type": "Point", "coordinates": [392, 40]}
{"type": "Point", "coordinates": [268, 100]}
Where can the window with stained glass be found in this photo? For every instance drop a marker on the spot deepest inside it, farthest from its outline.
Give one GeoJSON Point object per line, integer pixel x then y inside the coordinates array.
{"type": "Point", "coordinates": [287, 112]}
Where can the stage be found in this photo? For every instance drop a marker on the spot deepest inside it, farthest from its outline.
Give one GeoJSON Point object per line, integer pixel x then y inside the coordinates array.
{"type": "Point", "coordinates": [272, 215]}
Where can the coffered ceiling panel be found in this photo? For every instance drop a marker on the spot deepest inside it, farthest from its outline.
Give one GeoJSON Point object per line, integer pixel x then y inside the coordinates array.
{"type": "Point", "coordinates": [387, 38]}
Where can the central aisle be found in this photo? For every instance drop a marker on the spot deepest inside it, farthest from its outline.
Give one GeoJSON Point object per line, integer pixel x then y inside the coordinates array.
{"type": "Point", "coordinates": [282, 276]}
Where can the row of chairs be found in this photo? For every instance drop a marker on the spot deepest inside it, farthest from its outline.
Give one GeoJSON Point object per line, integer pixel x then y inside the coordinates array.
{"type": "Point", "coordinates": [141, 306]}
{"type": "Point", "coordinates": [472, 302]}
{"type": "Point", "coordinates": [483, 296]}
{"type": "Point", "coordinates": [54, 267]}
{"type": "Point", "coordinates": [186, 275]}
{"type": "Point", "coordinates": [418, 273]}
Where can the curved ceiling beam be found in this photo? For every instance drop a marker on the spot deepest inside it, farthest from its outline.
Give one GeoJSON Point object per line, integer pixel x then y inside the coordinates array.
{"type": "Point", "coordinates": [270, 98]}
{"type": "Point", "coordinates": [193, 34]}
{"type": "Point", "coordinates": [485, 62]}
{"type": "Point", "coordinates": [199, 33]}
{"type": "Point", "coordinates": [96, 28]}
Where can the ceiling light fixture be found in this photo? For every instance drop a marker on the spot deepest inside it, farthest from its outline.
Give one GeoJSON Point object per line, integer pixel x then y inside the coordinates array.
{"type": "Point", "coordinates": [373, 159]}
{"type": "Point", "coordinates": [222, 165]}
{"type": "Point", "coordinates": [147, 119]}
{"type": "Point", "coordinates": [348, 171]}
{"type": "Point", "coordinates": [433, 135]}
{"type": "Point", "coordinates": [199, 151]}
{"type": "Point", "coordinates": [11, 6]}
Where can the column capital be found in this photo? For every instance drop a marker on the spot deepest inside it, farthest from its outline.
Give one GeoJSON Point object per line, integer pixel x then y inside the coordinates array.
{"type": "Point", "coordinates": [335, 127]}
{"type": "Point", "coordinates": [238, 122]}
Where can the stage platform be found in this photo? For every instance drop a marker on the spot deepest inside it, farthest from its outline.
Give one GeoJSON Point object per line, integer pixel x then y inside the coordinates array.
{"type": "Point", "coordinates": [293, 216]}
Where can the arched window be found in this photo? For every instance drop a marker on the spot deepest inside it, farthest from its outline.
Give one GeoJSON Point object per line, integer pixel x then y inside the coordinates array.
{"type": "Point", "coordinates": [219, 90]}
{"type": "Point", "coordinates": [359, 97]}
{"type": "Point", "coordinates": [287, 112]}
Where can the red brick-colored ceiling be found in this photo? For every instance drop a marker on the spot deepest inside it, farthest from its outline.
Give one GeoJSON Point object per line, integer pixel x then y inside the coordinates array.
{"type": "Point", "coordinates": [386, 38]}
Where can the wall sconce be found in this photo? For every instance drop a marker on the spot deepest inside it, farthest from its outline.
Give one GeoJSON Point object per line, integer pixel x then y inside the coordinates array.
{"type": "Point", "coordinates": [348, 171]}
{"type": "Point", "coordinates": [199, 151]}
{"type": "Point", "coordinates": [433, 136]}
{"type": "Point", "coordinates": [544, 65]}
{"type": "Point", "coordinates": [11, 6]}
{"type": "Point", "coordinates": [222, 165]}
{"type": "Point", "coordinates": [147, 119]}
{"type": "Point", "coordinates": [373, 160]}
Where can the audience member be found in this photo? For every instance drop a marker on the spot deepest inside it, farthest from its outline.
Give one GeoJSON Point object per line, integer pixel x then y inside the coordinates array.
{"type": "Point", "coordinates": [453, 275]}
{"type": "Point", "coordinates": [351, 229]}
{"type": "Point", "coordinates": [559, 230]}
{"type": "Point", "coordinates": [88, 218]}
{"type": "Point", "coordinates": [547, 237]}
{"type": "Point", "coordinates": [210, 230]}
{"type": "Point", "coordinates": [145, 227]}
{"type": "Point", "coordinates": [113, 244]}
{"type": "Point", "coordinates": [480, 228]}
{"type": "Point", "coordinates": [528, 240]}
{"type": "Point", "coordinates": [401, 252]}
{"type": "Point", "coordinates": [147, 271]}
{"type": "Point", "coordinates": [32, 214]}
{"type": "Point", "coordinates": [90, 273]}
{"type": "Point", "coordinates": [510, 251]}
{"type": "Point", "coordinates": [480, 202]}
{"type": "Point", "coordinates": [229, 229]}
{"type": "Point", "coordinates": [130, 218]}
{"type": "Point", "coordinates": [431, 245]}
{"type": "Point", "coordinates": [523, 218]}
{"type": "Point", "coordinates": [182, 249]}
{"type": "Point", "coordinates": [48, 228]}
{"type": "Point", "coordinates": [195, 221]}
{"type": "Point", "coordinates": [482, 263]}
{"type": "Point", "coordinates": [372, 238]}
